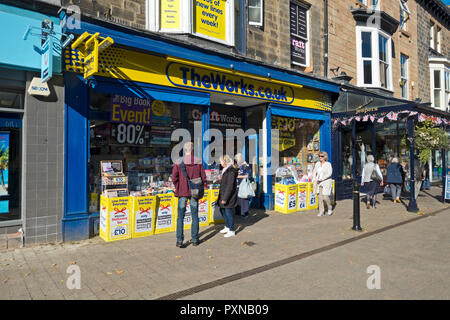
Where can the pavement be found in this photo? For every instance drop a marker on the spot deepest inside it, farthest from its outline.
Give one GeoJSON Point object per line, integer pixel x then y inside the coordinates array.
{"type": "Point", "coordinates": [273, 256]}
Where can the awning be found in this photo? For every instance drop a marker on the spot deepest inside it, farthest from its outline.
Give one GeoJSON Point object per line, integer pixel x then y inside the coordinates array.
{"type": "Point", "coordinates": [148, 91]}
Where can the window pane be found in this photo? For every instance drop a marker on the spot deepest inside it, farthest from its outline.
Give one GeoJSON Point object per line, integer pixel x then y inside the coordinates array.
{"type": "Point", "coordinates": [367, 72]}
{"type": "Point", "coordinates": [254, 3]}
{"type": "Point", "coordinates": [437, 99]}
{"type": "Point", "coordinates": [254, 15]}
{"type": "Point", "coordinates": [437, 79]}
{"type": "Point", "coordinates": [383, 48]}
{"type": "Point", "coordinates": [11, 99]}
{"type": "Point", "coordinates": [384, 74]}
{"type": "Point", "coordinates": [366, 44]}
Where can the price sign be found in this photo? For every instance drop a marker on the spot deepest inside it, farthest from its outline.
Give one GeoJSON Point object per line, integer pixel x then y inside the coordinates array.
{"type": "Point", "coordinates": [130, 134]}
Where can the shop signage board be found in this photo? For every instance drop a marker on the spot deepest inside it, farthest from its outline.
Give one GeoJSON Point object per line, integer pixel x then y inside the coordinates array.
{"type": "Point", "coordinates": [47, 60]}
{"type": "Point", "coordinates": [38, 88]}
{"type": "Point", "coordinates": [286, 198]}
{"type": "Point", "coordinates": [143, 211]}
{"type": "Point", "coordinates": [302, 196]}
{"type": "Point", "coordinates": [299, 33]}
{"type": "Point", "coordinates": [210, 19]}
{"type": "Point", "coordinates": [179, 73]}
{"type": "Point", "coordinates": [115, 218]}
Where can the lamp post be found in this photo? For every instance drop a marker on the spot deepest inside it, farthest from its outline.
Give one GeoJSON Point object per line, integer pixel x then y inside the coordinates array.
{"type": "Point", "coordinates": [412, 206]}
{"type": "Point", "coordinates": [356, 201]}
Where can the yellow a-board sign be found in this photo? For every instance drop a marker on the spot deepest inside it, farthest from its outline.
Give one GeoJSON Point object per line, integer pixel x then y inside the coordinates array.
{"type": "Point", "coordinates": [115, 218]}
{"type": "Point", "coordinates": [203, 212]}
{"type": "Point", "coordinates": [166, 213]}
{"type": "Point", "coordinates": [143, 213]}
{"type": "Point", "coordinates": [285, 198]}
{"type": "Point", "coordinates": [312, 197]}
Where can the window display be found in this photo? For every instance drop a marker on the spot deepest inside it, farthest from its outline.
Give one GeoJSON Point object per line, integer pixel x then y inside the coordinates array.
{"type": "Point", "coordinates": [298, 145]}
{"type": "Point", "coordinates": [135, 132]}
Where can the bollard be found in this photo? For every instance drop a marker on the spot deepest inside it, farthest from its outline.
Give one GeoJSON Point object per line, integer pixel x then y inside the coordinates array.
{"type": "Point", "coordinates": [356, 204]}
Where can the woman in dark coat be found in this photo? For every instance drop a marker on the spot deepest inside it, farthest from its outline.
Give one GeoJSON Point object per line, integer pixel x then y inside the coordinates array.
{"type": "Point", "coordinates": [228, 194]}
{"type": "Point", "coordinates": [395, 179]}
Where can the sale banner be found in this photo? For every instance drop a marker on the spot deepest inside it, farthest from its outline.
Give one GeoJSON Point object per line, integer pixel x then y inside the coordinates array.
{"type": "Point", "coordinates": [285, 198]}
{"type": "Point", "coordinates": [215, 216]}
{"type": "Point", "coordinates": [312, 203]}
{"type": "Point", "coordinates": [115, 218]}
{"type": "Point", "coordinates": [143, 212]}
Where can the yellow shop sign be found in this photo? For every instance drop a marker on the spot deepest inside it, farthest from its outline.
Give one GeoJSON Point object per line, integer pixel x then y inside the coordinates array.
{"type": "Point", "coordinates": [181, 75]}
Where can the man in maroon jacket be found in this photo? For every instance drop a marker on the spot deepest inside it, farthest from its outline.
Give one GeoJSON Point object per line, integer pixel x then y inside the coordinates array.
{"type": "Point", "coordinates": [194, 169]}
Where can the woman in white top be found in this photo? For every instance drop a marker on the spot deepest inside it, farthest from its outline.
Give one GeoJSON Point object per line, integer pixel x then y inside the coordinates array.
{"type": "Point", "coordinates": [322, 183]}
{"type": "Point", "coordinates": [372, 185]}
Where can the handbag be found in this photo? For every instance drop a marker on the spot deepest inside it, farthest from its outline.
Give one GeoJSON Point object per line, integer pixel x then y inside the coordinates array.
{"type": "Point", "coordinates": [245, 189]}
{"type": "Point", "coordinates": [387, 189]}
{"type": "Point", "coordinates": [195, 185]}
{"type": "Point", "coordinates": [374, 176]}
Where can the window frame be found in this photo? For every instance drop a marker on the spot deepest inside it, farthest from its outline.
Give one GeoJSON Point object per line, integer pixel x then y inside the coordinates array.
{"type": "Point", "coordinates": [261, 8]}
{"type": "Point", "coordinates": [153, 21]}
{"type": "Point", "coordinates": [404, 75]}
{"type": "Point", "coordinates": [404, 15]}
{"type": "Point", "coordinates": [376, 74]}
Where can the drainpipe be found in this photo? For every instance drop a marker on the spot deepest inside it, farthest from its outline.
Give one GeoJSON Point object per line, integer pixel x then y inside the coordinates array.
{"type": "Point", "coordinates": [325, 28]}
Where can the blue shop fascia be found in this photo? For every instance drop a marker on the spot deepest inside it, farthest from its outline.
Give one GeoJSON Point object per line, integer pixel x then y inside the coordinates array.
{"type": "Point", "coordinates": [181, 85]}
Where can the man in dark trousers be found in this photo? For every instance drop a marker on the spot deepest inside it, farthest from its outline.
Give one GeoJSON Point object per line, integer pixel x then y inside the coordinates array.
{"type": "Point", "coordinates": [194, 169]}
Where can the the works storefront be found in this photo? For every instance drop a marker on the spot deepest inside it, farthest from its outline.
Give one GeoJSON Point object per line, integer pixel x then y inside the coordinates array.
{"type": "Point", "coordinates": [147, 87]}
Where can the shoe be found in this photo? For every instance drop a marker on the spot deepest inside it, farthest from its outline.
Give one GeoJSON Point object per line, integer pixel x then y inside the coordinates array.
{"type": "Point", "coordinates": [244, 217]}
{"type": "Point", "coordinates": [224, 230]}
{"type": "Point", "coordinates": [398, 200]}
{"type": "Point", "coordinates": [179, 244]}
{"type": "Point", "coordinates": [330, 212]}
{"type": "Point", "coordinates": [320, 215]}
{"type": "Point", "coordinates": [229, 234]}
{"type": "Point", "coordinates": [368, 205]}
{"type": "Point", "coordinates": [196, 243]}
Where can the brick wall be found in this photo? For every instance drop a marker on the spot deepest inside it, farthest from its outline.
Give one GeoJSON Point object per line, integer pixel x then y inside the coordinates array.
{"type": "Point", "coordinates": [271, 43]}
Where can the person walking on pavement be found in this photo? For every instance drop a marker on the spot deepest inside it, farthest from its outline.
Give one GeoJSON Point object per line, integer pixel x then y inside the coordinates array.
{"type": "Point", "coordinates": [322, 183]}
{"type": "Point", "coordinates": [371, 176]}
{"type": "Point", "coordinates": [227, 199]}
{"type": "Point", "coordinates": [244, 173]}
{"type": "Point", "coordinates": [419, 176]}
{"type": "Point", "coordinates": [395, 178]}
{"type": "Point", "coordinates": [194, 169]}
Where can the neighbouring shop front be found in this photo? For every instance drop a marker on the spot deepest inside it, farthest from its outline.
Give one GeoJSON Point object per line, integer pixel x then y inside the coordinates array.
{"type": "Point", "coordinates": [382, 127]}
{"type": "Point", "coordinates": [145, 89]}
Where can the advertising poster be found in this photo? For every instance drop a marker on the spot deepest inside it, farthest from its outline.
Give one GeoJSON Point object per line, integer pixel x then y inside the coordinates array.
{"type": "Point", "coordinates": [170, 14]}
{"type": "Point", "coordinates": [210, 18]}
{"type": "Point", "coordinates": [4, 163]}
{"type": "Point", "coordinates": [164, 218]}
{"type": "Point", "coordinates": [280, 198]}
{"type": "Point", "coordinates": [292, 199]}
{"type": "Point", "coordinates": [143, 216]}
{"type": "Point", "coordinates": [302, 200]}
{"type": "Point", "coordinates": [119, 218]}
{"type": "Point", "coordinates": [447, 187]}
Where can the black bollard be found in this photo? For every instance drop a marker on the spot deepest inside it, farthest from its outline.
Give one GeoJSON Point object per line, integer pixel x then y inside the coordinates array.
{"type": "Point", "coordinates": [356, 204]}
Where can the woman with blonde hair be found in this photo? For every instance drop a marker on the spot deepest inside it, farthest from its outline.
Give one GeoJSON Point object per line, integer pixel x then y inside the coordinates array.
{"type": "Point", "coordinates": [322, 183]}
{"type": "Point", "coordinates": [227, 199]}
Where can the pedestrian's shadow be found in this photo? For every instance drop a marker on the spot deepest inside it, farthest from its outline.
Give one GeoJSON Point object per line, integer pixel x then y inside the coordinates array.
{"type": "Point", "coordinates": [254, 216]}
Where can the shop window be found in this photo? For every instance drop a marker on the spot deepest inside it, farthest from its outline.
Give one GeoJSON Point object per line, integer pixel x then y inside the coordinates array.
{"type": "Point", "coordinates": [298, 145]}
{"type": "Point", "coordinates": [347, 155]}
{"type": "Point", "coordinates": [256, 12]}
{"type": "Point", "coordinates": [363, 131]}
{"type": "Point", "coordinates": [436, 162]}
{"type": "Point", "coordinates": [141, 140]}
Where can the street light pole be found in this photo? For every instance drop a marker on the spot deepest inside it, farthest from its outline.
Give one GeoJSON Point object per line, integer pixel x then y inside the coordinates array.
{"type": "Point", "coordinates": [356, 201]}
{"type": "Point", "coordinates": [412, 206]}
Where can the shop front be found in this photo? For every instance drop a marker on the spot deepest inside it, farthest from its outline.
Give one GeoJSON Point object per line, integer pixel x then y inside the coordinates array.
{"type": "Point", "coordinates": [145, 89]}
{"type": "Point", "coordinates": [382, 130]}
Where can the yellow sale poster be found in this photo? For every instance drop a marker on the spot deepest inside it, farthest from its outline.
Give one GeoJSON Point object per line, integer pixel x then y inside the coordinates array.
{"type": "Point", "coordinates": [170, 14]}
{"type": "Point", "coordinates": [165, 214]}
{"type": "Point", "coordinates": [210, 18]}
{"type": "Point", "coordinates": [302, 198]}
{"type": "Point", "coordinates": [143, 216]}
{"type": "Point", "coordinates": [115, 218]}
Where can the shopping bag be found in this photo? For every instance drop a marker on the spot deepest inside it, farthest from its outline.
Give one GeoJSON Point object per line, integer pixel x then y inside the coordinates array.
{"type": "Point", "coordinates": [387, 190]}
{"type": "Point", "coordinates": [245, 189]}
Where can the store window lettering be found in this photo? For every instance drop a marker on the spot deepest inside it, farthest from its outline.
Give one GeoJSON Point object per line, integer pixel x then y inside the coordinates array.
{"type": "Point", "coordinates": [213, 80]}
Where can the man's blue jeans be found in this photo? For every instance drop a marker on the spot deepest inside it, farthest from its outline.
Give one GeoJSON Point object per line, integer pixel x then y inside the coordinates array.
{"type": "Point", "coordinates": [182, 201]}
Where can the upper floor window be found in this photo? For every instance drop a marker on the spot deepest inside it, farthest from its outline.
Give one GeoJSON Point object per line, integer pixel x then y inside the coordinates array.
{"type": "Point", "coordinates": [435, 37]}
{"type": "Point", "coordinates": [372, 4]}
{"type": "Point", "coordinates": [374, 58]}
{"type": "Point", "coordinates": [299, 29]}
{"type": "Point", "coordinates": [404, 14]}
{"type": "Point", "coordinates": [404, 76]}
{"type": "Point", "coordinates": [256, 12]}
{"type": "Point", "coordinates": [210, 19]}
